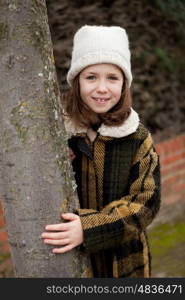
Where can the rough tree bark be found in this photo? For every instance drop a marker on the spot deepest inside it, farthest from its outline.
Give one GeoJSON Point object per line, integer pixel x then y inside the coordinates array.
{"type": "Point", "coordinates": [37, 182]}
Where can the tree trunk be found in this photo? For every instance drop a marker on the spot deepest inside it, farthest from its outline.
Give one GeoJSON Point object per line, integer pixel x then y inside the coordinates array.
{"type": "Point", "coordinates": [37, 182]}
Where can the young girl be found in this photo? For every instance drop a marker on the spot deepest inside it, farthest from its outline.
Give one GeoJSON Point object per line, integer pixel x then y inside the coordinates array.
{"type": "Point", "coordinates": [116, 166]}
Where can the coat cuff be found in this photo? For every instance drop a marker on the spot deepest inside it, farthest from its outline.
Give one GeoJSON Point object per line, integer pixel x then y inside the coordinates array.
{"type": "Point", "coordinates": [101, 231]}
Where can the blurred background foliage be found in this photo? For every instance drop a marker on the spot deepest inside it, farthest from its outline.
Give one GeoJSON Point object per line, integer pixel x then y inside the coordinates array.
{"type": "Point", "coordinates": [156, 32]}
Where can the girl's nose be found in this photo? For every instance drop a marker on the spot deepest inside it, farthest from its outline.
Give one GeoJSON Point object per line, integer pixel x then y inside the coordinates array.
{"type": "Point", "coordinates": [102, 87]}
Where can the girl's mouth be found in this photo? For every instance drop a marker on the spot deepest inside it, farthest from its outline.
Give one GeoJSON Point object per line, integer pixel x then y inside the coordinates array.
{"type": "Point", "coordinates": [100, 100]}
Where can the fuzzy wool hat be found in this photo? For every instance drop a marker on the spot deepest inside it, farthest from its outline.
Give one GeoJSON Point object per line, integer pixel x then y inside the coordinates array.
{"type": "Point", "coordinates": [100, 44]}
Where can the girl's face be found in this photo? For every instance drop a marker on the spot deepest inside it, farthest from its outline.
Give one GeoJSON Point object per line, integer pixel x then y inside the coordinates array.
{"type": "Point", "coordinates": [101, 86]}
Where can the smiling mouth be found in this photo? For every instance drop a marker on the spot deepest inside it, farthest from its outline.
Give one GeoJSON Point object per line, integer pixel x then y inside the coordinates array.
{"type": "Point", "coordinates": [100, 100]}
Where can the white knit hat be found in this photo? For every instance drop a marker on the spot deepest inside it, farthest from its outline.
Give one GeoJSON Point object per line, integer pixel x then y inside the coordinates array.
{"type": "Point", "coordinates": [100, 44]}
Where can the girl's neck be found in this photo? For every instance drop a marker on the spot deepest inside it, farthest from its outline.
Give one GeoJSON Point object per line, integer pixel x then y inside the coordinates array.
{"type": "Point", "coordinates": [95, 126]}
{"type": "Point", "coordinates": [92, 134]}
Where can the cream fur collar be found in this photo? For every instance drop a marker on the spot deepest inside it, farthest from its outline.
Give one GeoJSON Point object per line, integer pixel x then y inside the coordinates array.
{"type": "Point", "coordinates": [128, 127]}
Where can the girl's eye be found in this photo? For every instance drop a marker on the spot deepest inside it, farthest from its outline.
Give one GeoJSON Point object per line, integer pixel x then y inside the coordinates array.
{"type": "Point", "coordinates": [112, 78]}
{"type": "Point", "coordinates": [90, 77]}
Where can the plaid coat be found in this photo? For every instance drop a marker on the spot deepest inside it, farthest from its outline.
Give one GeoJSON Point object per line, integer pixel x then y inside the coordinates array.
{"type": "Point", "coordinates": [118, 183]}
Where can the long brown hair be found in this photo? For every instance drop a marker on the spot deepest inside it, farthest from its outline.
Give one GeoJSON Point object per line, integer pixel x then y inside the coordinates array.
{"type": "Point", "coordinates": [83, 116]}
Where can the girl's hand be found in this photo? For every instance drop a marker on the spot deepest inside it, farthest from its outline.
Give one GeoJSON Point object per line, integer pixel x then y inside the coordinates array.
{"type": "Point", "coordinates": [68, 235]}
{"type": "Point", "coordinates": [71, 154]}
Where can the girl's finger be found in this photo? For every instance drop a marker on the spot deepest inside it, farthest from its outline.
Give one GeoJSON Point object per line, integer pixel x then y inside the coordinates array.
{"type": "Point", "coordinates": [57, 242]}
{"type": "Point", "coordinates": [69, 216]}
{"type": "Point", "coordinates": [57, 227]}
{"type": "Point", "coordinates": [54, 235]}
{"type": "Point", "coordinates": [63, 249]}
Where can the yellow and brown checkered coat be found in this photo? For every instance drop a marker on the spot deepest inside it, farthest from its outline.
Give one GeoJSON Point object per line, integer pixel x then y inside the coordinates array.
{"type": "Point", "coordinates": [119, 190]}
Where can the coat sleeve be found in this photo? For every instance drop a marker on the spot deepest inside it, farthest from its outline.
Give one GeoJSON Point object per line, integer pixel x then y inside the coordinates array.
{"type": "Point", "coordinates": [131, 214]}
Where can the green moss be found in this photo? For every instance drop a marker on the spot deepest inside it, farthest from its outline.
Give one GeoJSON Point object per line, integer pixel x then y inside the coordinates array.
{"type": "Point", "coordinates": [4, 256]}
{"type": "Point", "coordinates": [167, 244]}
{"type": "Point", "coordinates": [166, 236]}
{"type": "Point", "coordinates": [17, 117]}
{"type": "Point", "coordinates": [38, 37]}
{"type": "Point", "coordinates": [4, 31]}
{"type": "Point", "coordinates": [22, 131]}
